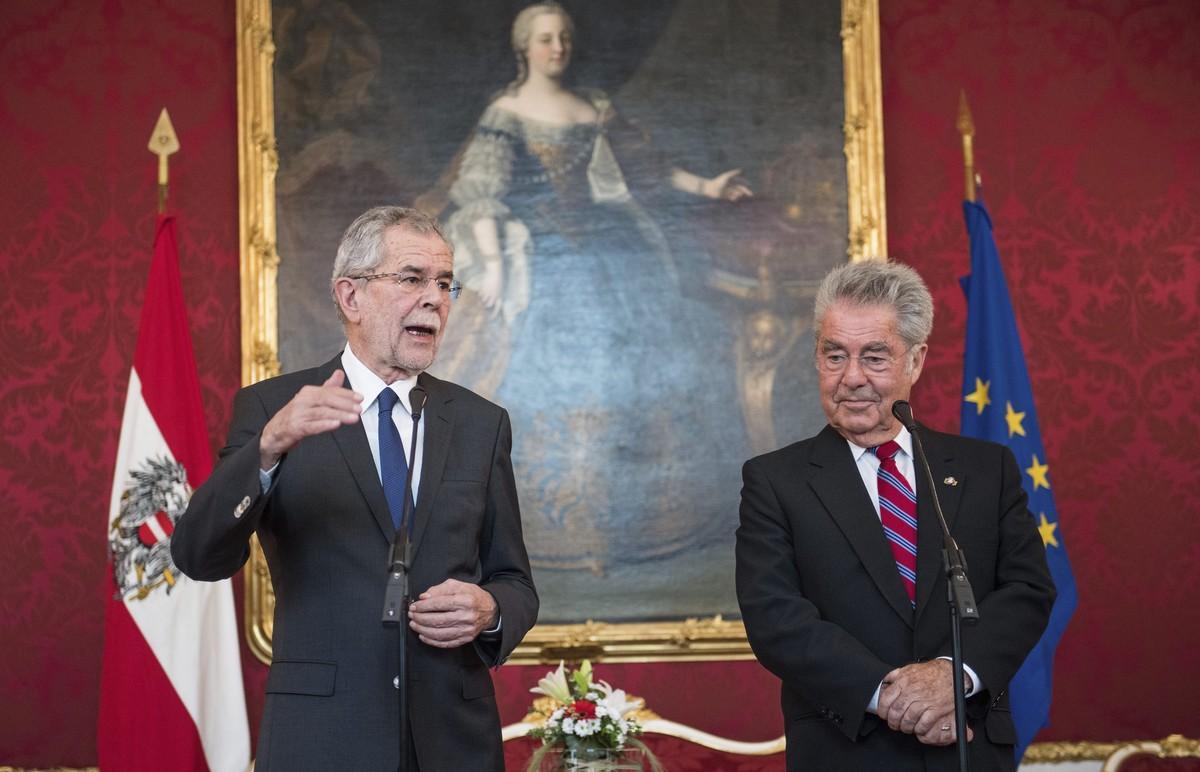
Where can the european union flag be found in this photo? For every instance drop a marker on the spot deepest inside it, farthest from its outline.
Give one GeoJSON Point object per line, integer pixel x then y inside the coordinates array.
{"type": "Point", "coordinates": [998, 406]}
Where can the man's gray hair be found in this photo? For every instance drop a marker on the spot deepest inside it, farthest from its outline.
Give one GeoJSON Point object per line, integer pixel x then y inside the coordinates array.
{"type": "Point", "coordinates": [361, 249]}
{"type": "Point", "coordinates": [877, 283]}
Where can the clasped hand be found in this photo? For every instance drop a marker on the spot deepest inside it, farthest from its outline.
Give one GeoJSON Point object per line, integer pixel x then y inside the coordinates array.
{"type": "Point", "coordinates": [918, 699]}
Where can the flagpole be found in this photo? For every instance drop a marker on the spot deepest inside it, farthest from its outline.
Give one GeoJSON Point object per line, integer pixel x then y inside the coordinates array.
{"type": "Point", "coordinates": [171, 695]}
{"type": "Point", "coordinates": [995, 374]}
{"type": "Point", "coordinates": [966, 127]}
{"type": "Point", "coordinates": [959, 595]}
{"type": "Point", "coordinates": [163, 142]}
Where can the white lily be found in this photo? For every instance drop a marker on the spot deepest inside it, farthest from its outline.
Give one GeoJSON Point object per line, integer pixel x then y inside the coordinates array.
{"type": "Point", "coordinates": [554, 685]}
{"type": "Point", "coordinates": [617, 701]}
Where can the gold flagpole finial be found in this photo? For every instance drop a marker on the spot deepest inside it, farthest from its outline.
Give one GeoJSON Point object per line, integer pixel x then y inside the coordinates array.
{"type": "Point", "coordinates": [163, 143]}
{"type": "Point", "coordinates": [966, 127]}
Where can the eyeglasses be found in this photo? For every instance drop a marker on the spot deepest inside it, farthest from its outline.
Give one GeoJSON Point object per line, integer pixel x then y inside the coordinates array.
{"type": "Point", "coordinates": [412, 283]}
{"type": "Point", "coordinates": [871, 362]}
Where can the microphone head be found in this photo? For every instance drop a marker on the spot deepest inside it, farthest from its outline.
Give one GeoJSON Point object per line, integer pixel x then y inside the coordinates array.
{"type": "Point", "coordinates": [904, 414]}
{"type": "Point", "coordinates": [416, 398]}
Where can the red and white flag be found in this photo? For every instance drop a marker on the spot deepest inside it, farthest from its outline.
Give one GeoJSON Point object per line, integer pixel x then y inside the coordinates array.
{"type": "Point", "coordinates": [171, 693]}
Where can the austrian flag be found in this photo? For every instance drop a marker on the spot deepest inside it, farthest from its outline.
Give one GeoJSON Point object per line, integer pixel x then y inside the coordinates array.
{"type": "Point", "coordinates": [171, 691]}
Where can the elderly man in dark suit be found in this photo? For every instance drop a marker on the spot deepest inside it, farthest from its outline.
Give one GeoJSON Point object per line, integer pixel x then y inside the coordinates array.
{"type": "Point", "coordinates": [315, 464]}
{"type": "Point", "coordinates": [839, 568]}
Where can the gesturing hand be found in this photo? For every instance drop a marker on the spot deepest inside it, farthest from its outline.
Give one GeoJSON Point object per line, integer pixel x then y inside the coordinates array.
{"type": "Point", "coordinates": [314, 410]}
{"type": "Point", "coordinates": [452, 613]}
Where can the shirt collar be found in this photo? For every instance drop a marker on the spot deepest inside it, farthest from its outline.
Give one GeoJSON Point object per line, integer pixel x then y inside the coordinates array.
{"type": "Point", "coordinates": [903, 439]}
{"type": "Point", "coordinates": [365, 382]}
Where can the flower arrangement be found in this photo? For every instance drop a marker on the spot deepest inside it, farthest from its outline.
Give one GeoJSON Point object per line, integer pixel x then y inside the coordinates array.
{"type": "Point", "coordinates": [585, 718]}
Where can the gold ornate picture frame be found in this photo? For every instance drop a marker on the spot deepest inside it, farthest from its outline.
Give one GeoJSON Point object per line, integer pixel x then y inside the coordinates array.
{"type": "Point", "coordinates": [690, 639]}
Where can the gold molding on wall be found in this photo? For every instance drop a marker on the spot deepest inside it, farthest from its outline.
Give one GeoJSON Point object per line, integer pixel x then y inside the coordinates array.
{"type": "Point", "coordinates": [1061, 752]}
{"type": "Point", "coordinates": [692, 639]}
{"type": "Point", "coordinates": [863, 128]}
{"type": "Point", "coordinates": [258, 161]}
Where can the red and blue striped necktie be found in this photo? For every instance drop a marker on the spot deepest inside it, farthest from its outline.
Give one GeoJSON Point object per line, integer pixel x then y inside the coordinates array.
{"type": "Point", "coordinates": [898, 513]}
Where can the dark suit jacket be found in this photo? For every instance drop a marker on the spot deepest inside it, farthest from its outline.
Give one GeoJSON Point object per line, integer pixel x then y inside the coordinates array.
{"type": "Point", "coordinates": [825, 609]}
{"type": "Point", "coordinates": [325, 529]}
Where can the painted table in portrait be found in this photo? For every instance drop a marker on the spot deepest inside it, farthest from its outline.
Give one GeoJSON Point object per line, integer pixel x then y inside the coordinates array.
{"type": "Point", "coordinates": [642, 198]}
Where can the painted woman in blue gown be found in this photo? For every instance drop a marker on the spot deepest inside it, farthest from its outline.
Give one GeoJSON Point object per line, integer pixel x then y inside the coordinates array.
{"type": "Point", "coordinates": [574, 319]}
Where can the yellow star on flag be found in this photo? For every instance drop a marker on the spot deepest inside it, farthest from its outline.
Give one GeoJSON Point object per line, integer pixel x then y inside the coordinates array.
{"type": "Point", "coordinates": [1014, 420]}
{"type": "Point", "coordinates": [980, 395]}
{"type": "Point", "coordinates": [1037, 473]}
{"type": "Point", "coordinates": [1047, 530]}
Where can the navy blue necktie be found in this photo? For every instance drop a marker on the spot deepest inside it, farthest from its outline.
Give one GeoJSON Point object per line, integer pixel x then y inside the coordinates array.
{"type": "Point", "coordinates": [393, 467]}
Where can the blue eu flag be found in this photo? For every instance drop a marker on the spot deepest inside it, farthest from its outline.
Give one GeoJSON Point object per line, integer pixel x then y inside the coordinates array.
{"type": "Point", "coordinates": [998, 406]}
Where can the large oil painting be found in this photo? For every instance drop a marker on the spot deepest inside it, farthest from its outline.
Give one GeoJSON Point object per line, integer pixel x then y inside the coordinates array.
{"type": "Point", "coordinates": [641, 196]}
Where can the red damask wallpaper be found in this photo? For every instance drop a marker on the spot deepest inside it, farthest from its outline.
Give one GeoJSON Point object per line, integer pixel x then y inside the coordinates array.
{"type": "Point", "coordinates": [1087, 118]}
{"type": "Point", "coordinates": [82, 86]}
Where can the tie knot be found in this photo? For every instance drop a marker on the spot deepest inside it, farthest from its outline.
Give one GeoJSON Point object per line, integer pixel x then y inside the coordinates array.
{"type": "Point", "coordinates": [387, 400]}
{"type": "Point", "coordinates": [887, 450]}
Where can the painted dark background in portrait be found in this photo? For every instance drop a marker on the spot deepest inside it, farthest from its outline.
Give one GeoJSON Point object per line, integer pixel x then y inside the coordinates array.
{"type": "Point", "coordinates": [651, 351]}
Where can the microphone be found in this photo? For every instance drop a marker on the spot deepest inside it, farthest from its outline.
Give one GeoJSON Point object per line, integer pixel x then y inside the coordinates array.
{"type": "Point", "coordinates": [395, 601]}
{"type": "Point", "coordinates": [961, 593]}
{"type": "Point", "coordinates": [395, 595]}
{"type": "Point", "coordinates": [417, 398]}
{"type": "Point", "coordinates": [903, 412]}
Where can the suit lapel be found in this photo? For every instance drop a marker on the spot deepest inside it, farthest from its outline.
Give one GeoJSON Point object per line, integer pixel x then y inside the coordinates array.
{"type": "Point", "coordinates": [439, 425]}
{"type": "Point", "coordinates": [351, 440]}
{"type": "Point", "coordinates": [930, 569]}
{"type": "Point", "coordinates": [839, 486]}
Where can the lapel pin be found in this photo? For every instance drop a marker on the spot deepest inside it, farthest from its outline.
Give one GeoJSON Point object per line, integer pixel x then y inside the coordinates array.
{"type": "Point", "coordinates": [951, 481]}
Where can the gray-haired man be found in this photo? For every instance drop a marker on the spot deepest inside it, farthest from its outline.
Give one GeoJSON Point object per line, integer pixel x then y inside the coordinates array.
{"type": "Point", "coordinates": [311, 466]}
{"type": "Point", "coordinates": [839, 570]}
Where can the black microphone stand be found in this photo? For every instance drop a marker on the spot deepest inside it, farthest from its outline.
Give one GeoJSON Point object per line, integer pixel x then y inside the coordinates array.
{"type": "Point", "coordinates": [395, 596]}
{"type": "Point", "coordinates": [959, 595]}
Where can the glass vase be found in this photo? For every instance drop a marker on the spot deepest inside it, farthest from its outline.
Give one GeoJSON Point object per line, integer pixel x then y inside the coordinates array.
{"type": "Point", "coordinates": [588, 759]}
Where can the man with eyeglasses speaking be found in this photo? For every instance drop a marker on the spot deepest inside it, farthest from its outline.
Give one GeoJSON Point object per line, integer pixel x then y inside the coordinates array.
{"type": "Point", "coordinates": [320, 464]}
{"type": "Point", "coordinates": [839, 554]}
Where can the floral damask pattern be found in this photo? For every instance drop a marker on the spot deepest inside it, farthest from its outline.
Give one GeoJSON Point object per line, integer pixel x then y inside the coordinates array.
{"type": "Point", "coordinates": [83, 86]}
{"type": "Point", "coordinates": [1086, 118]}
{"type": "Point", "coordinates": [1088, 144]}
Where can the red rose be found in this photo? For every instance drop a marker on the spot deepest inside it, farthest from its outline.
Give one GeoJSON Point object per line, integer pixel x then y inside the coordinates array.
{"type": "Point", "coordinates": [584, 708]}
